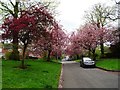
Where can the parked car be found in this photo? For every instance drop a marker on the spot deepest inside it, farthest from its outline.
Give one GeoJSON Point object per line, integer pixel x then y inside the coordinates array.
{"type": "Point", "coordinates": [66, 58]}
{"type": "Point", "coordinates": [86, 61]}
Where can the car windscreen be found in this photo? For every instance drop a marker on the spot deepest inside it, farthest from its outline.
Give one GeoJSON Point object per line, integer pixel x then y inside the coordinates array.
{"type": "Point", "coordinates": [87, 59]}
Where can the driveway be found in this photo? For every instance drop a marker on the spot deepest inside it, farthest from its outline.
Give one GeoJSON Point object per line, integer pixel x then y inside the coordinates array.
{"type": "Point", "coordinates": [75, 76]}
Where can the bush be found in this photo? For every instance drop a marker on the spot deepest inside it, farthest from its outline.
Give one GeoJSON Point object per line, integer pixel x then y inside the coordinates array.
{"type": "Point", "coordinates": [110, 55]}
{"type": "Point", "coordinates": [14, 56]}
{"type": "Point", "coordinates": [115, 50]}
{"type": "Point", "coordinates": [3, 57]}
{"type": "Point", "coordinates": [7, 55]}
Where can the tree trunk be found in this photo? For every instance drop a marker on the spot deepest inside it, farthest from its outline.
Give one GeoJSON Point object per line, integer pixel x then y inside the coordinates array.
{"type": "Point", "coordinates": [48, 56]}
{"type": "Point", "coordinates": [23, 59]}
{"type": "Point", "coordinates": [56, 56]}
{"type": "Point", "coordinates": [94, 57]}
{"type": "Point", "coordinates": [77, 56]}
{"type": "Point", "coordinates": [101, 41]}
{"type": "Point", "coordinates": [119, 34]}
{"type": "Point", "coordinates": [15, 52]}
{"type": "Point", "coordinates": [102, 49]}
{"type": "Point", "coordinates": [89, 54]}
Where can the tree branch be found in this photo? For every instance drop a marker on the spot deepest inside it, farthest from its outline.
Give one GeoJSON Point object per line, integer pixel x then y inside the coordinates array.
{"type": "Point", "coordinates": [112, 18]}
{"type": "Point", "coordinates": [5, 6]}
{"type": "Point", "coordinates": [11, 3]}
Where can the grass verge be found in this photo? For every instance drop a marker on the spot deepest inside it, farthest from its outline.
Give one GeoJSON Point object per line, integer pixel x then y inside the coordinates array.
{"type": "Point", "coordinates": [77, 60]}
{"type": "Point", "coordinates": [39, 74]}
{"type": "Point", "coordinates": [109, 64]}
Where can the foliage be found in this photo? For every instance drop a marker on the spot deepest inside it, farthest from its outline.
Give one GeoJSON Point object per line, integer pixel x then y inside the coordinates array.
{"type": "Point", "coordinates": [14, 13]}
{"type": "Point", "coordinates": [97, 53]}
{"type": "Point", "coordinates": [7, 45]}
{"type": "Point", "coordinates": [14, 17]}
{"type": "Point", "coordinates": [7, 55]}
{"type": "Point", "coordinates": [109, 64]}
{"type": "Point", "coordinates": [51, 44]}
{"type": "Point", "coordinates": [115, 50]}
{"type": "Point", "coordinates": [100, 14]}
{"type": "Point", "coordinates": [10, 7]}
{"type": "Point", "coordinates": [77, 60]}
{"type": "Point", "coordinates": [107, 49]}
{"type": "Point", "coordinates": [40, 74]}
{"type": "Point", "coordinates": [87, 39]}
{"type": "Point", "coordinates": [73, 47]}
{"type": "Point", "coordinates": [14, 56]}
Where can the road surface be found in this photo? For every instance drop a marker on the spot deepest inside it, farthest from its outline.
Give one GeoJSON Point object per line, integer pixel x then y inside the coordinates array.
{"type": "Point", "coordinates": [75, 76]}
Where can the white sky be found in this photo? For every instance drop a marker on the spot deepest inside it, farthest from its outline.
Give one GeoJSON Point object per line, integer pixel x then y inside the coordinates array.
{"type": "Point", "coordinates": [71, 12]}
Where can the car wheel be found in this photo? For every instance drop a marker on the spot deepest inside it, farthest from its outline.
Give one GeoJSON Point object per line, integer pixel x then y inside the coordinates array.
{"type": "Point", "coordinates": [83, 66]}
{"type": "Point", "coordinates": [80, 65]}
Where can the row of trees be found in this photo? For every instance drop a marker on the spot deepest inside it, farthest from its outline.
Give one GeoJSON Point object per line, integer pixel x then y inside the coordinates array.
{"type": "Point", "coordinates": [102, 15]}
{"type": "Point", "coordinates": [34, 27]}
{"type": "Point", "coordinates": [96, 32]}
{"type": "Point", "coordinates": [88, 38]}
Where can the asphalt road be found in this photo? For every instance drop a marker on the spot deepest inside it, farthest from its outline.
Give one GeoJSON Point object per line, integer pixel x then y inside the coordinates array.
{"type": "Point", "coordinates": [76, 77]}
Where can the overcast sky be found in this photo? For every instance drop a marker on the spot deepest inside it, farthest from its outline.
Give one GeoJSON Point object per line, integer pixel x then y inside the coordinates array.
{"type": "Point", "coordinates": [71, 12]}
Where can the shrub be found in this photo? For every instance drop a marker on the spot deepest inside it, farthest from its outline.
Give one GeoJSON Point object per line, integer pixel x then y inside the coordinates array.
{"type": "Point", "coordinates": [3, 57]}
{"type": "Point", "coordinates": [115, 50]}
{"type": "Point", "coordinates": [7, 55]}
{"type": "Point", "coordinates": [14, 56]}
{"type": "Point", "coordinates": [110, 55]}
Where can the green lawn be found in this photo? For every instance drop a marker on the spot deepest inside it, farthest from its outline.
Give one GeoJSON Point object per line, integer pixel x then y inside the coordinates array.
{"type": "Point", "coordinates": [109, 64]}
{"type": "Point", "coordinates": [39, 74]}
{"type": "Point", "coordinates": [77, 60]}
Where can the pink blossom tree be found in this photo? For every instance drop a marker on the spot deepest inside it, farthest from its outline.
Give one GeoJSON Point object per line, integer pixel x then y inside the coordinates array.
{"type": "Point", "coordinates": [14, 7]}
{"type": "Point", "coordinates": [88, 37]}
{"type": "Point", "coordinates": [33, 24]}
{"type": "Point", "coordinates": [73, 49]}
{"type": "Point", "coordinates": [52, 43]}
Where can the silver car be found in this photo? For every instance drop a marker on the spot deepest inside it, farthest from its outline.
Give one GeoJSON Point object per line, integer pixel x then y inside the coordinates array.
{"type": "Point", "coordinates": [86, 61]}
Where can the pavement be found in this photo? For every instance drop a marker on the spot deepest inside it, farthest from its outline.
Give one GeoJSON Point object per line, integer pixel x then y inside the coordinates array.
{"type": "Point", "coordinates": [75, 76]}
